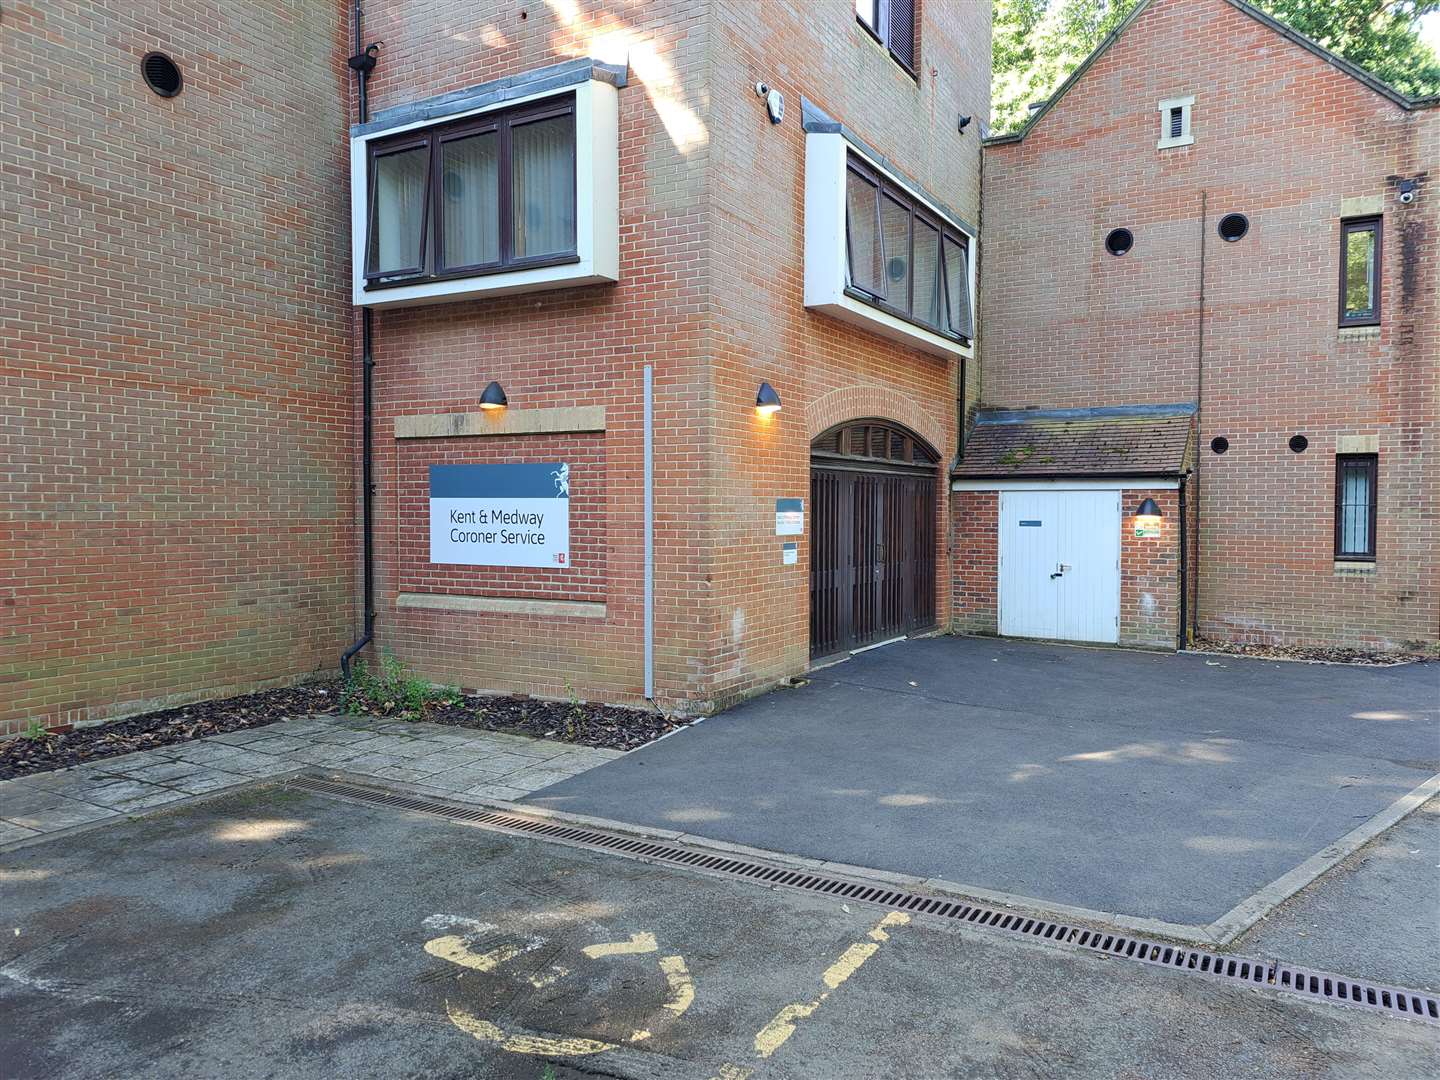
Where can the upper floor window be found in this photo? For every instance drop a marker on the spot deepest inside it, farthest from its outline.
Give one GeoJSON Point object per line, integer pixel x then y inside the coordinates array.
{"type": "Point", "coordinates": [892, 22]}
{"type": "Point", "coordinates": [1175, 122]}
{"type": "Point", "coordinates": [485, 194]}
{"type": "Point", "coordinates": [1356, 477]}
{"type": "Point", "coordinates": [1360, 272]}
{"type": "Point", "coordinates": [902, 258]}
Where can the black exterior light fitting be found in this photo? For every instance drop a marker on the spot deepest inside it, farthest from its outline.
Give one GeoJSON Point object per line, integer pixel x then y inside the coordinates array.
{"type": "Point", "coordinates": [1148, 513]}
{"type": "Point", "coordinates": [767, 401]}
{"type": "Point", "coordinates": [493, 398]}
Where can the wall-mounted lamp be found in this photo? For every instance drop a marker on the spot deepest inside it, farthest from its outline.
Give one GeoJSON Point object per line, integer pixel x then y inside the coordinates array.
{"type": "Point", "coordinates": [1147, 519]}
{"type": "Point", "coordinates": [767, 401]}
{"type": "Point", "coordinates": [493, 398]}
{"type": "Point", "coordinates": [964, 123]}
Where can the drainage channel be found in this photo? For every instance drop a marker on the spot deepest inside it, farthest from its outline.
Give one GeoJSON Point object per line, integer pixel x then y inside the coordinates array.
{"type": "Point", "coordinates": [1302, 982]}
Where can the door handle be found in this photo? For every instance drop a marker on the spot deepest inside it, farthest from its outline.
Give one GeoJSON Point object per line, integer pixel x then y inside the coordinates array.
{"type": "Point", "coordinates": [1060, 571]}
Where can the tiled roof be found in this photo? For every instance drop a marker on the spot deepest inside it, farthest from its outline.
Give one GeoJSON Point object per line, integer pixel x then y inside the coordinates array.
{"type": "Point", "coordinates": [1139, 440]}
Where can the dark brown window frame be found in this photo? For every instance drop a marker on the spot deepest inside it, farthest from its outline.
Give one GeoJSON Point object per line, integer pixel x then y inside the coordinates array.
{"type": "Point", "coordinates": [885, 37]}
{"type": "Point", "coordinates": [1372, 464]}
{"type": "Point", "coordinates": [884, 188]}
{"type": "Point", "coordinates": [1371, 222]}
{"type": "Point", "coordinates": [502, 123]}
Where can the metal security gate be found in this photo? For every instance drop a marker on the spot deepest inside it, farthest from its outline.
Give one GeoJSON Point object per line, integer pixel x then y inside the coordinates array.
{"type": "Point", "coordinates": [872, 557]}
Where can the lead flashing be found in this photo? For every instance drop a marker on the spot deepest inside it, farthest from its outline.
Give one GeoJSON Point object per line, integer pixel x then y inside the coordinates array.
{"type": "Point", "coordinates": [495, 92]}
{"type": "Point", "coordinates": [1106, 412]}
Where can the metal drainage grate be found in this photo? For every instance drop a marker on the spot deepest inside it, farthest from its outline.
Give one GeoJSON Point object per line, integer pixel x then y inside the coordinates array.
{"type": "Point", "coordinates": [1304, 982]}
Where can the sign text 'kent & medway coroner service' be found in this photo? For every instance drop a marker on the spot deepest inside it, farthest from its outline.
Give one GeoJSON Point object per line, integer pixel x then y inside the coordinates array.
{"type": "Point", "coordinates": [500, 515]}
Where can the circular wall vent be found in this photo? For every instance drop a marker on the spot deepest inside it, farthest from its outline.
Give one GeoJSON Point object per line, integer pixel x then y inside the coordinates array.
{"type": "Point", "coordinates": [1233, 227]}
{"type": "Point", "coordinates": [1219, 444]}
{"type": "Point", "coordinates": [161, 74]}
{"type": "Point", "coordinates": [1119, 241]}
{"type": "Point", "coordinates": [1298, 443]}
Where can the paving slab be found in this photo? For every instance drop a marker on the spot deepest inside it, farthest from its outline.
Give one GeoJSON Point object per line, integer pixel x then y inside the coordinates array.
{"type": "Point", "coordinates": [1158, 786]}
{"type": "Point", "coordinates": [280, 934]}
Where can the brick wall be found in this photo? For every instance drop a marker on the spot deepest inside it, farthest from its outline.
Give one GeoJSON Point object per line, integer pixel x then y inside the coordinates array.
{"type": "Point", "coordinates": [175, 381]}
{"type": "Point", "coordinates": [1150, 572]}
{"type": "Point", "coordinates": [975, 551]}
{"type": "Point", "coordinates": [1295, 144]}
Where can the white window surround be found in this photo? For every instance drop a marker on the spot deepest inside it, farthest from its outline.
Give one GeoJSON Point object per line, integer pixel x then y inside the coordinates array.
{"type": "Point", "coordinates": [597, 207]}
{"type": "Point", "coordinates": [1186, 107]}
{"type": "Point", "coordinates": [825, 261]}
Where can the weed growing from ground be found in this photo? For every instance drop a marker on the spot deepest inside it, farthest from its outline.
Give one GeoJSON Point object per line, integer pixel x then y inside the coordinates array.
{"type": "Point", "coordinates": [392, 690]}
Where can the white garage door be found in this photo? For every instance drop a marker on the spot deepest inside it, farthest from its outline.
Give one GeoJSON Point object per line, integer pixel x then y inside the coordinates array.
{"type": "Point", "coordinates": [1060, 565]}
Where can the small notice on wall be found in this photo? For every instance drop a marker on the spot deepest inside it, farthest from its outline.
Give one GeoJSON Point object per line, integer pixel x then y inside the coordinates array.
{"type": "Point", "coordinates": [500, 515]}
{"type": "Point", "coordinates": [789, 553]}
{"type": "Point", "coordinates": [1148, 531]}
{"type": "Point", "coordinates": [789, 517]}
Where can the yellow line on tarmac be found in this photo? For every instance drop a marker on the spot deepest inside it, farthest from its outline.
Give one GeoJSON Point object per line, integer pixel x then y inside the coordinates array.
{"type": "Point", "coordinates": [773, 1035]}
{"type": "Point", "coordinates": [453, 948]}
{"type": "Point", "coordinates": [485, 1031]}
{"type": "Point", "coordinates": [682, 988]}
{"type": "Point", "coordinates": [642, 942]}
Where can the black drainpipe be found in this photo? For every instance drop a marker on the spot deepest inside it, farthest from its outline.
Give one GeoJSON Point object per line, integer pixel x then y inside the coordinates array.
{"type": "Point", "coordinates": [362, 63]}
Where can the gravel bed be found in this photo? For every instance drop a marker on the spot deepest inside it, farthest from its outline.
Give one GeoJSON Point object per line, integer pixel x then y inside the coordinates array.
{"type": "Point", "coordinates": [1317, 654]}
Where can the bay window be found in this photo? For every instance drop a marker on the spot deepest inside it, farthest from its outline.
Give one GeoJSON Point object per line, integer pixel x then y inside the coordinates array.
{"type": "Point", "coordinates": [476, 196]}
{"type": "Point", "coordinates": [489, 190]}
{"type": "Point", "coordinates": [902, 257]}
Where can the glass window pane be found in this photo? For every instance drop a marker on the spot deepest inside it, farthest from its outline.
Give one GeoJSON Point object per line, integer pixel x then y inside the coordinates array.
{"type": "Point", "coordinates": [397, 215]}
{"type": "Point", "coordinates": [865, 9]}
{"type": "Point", "coordinates": [544, 187]}
{"type": "Point", "coordinates": [1355, 509]}
{"type": "Point", "coordinates": [929, 299]}
{"type": "Point", "coordinates": [470, 181]}
{"type": "Point", "coordinates": [1359, 273]}
{"type": "Point", "coordinates": [957, 285]}
{"type": "Point", "coordinates": [863, 231]}
{"type": "Point", "coordinates": [895, 227]}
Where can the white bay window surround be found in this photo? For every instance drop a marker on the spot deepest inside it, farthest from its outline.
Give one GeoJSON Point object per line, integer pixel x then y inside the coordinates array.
{"type": "Point", "coordinates": [512, 187]}
{"type": "Point", "coordinates": [881, 256]}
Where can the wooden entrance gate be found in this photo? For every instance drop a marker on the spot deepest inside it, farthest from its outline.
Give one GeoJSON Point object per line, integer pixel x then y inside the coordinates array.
{"type": "Point", "coordinates": [872, 556]}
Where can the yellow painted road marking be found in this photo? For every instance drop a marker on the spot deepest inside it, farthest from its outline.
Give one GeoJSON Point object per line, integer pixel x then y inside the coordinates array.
{"type": "Point", "coordinates": [642, 942]}
{"type": "Point", "coordinates": [732, 1072]}
{"type": "Point", "coordinates": [773, 1035]}
{"type": "Point", "coordinates": [524, 1044]}
{"type": "Point", "coordinates": [682, 988]}
{"type": "Point", "coordinates": [452, 947]}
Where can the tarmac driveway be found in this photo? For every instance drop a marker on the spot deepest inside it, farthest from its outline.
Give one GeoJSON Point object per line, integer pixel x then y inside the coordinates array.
{"type": "Point", "coordinates": [1168, 787]}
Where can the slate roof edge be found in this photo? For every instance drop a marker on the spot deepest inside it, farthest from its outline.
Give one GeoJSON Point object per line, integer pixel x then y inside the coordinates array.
{"type": "Point", "coordinates": [1073, 474]}
{"type": "Point", "coordinates": [495, 92]}
{"type": "Point", "coordinates": [1103, 412]}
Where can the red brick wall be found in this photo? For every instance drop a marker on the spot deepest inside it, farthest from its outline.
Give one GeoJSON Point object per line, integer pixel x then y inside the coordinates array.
{"type": "Point", "coordinates": [976, 553]}
{"type": "Point", "coordinates": [710, 293]}
{"type": "Point", "coordinates": [175, 376]}
{"type": "Point", "coordinates": [1150, 572]}
{"type": "Point", "coordinates": [1284, 138]}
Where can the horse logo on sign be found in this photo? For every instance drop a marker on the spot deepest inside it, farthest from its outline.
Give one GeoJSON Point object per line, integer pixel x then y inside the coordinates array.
{"type": "Point", "coordinates": [561, 477]}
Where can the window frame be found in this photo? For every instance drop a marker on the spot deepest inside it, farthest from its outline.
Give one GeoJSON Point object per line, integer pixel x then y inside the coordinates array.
{"type": "Point", "coordinates": [1186, 105]}
{"type": "Point", "coordinates": [1367, 223]}
{"type": "Point", "coordinates": [886, 188]}
{"type": "Point", "coordinates": [1372, 463]}
{"type": "Point", "coordinates": [502, 122]}
{"type": "Point", "coordinates": [884, 36]}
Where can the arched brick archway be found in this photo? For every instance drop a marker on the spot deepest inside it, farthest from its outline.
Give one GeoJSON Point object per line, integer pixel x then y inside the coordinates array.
{"type": "Point", "coordinates": [859, 402]}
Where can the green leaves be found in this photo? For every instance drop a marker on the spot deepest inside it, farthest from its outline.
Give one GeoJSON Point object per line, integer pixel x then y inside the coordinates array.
{"type": "Point", "coordinates": [1036, 44]}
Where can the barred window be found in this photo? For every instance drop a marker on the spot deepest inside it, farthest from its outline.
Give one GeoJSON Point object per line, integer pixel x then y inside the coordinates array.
{"type": "Point", "coordinates": [1355, 490]}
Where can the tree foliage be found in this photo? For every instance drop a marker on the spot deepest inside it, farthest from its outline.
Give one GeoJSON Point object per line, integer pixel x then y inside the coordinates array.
{"type": "Point", "coordinates": [1037, 43]}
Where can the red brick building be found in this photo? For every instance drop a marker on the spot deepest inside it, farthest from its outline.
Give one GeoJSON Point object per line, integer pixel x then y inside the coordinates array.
{"type": "Point", "coordinates": [635, 229]}
{"type": "Point", "coordinates": [175, 376]}
{"type": "Point", "coordinates": [709, 252]}
{"type": "Point", "coordinates": [1167, 232]}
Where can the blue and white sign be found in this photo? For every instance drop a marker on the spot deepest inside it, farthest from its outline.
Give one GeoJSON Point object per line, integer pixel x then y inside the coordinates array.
{"type": "Point", "coordinates": [500, 515]}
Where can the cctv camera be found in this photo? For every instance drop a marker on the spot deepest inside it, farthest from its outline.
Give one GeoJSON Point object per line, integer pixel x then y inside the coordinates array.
{"type": "Point", "coordinates": [1407, 190]}
{"type": "Point", "coordinates": [1407, 196]}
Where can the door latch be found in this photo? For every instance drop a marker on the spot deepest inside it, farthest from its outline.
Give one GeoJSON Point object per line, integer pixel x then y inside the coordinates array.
{"type": "Point", "coordinates": [1060, 571]}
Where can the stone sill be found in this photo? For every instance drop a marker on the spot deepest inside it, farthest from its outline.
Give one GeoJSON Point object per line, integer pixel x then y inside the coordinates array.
{"type": "Point", "coordinates": [1353, 569]}
{"type": "Point", "coordinates": [502, 605]}
{"type": "Point", "coordinates": [1358, 333]}
{"type": "Point", "coordinates": [502, 422]}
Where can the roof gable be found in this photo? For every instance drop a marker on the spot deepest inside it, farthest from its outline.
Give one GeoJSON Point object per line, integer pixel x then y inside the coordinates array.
{"type": "Point", "coordinates": [1359, 74]}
